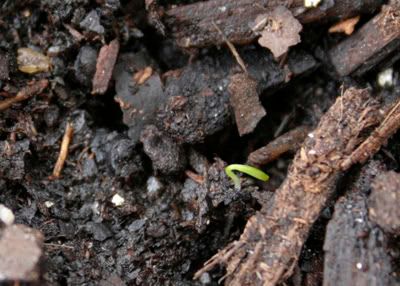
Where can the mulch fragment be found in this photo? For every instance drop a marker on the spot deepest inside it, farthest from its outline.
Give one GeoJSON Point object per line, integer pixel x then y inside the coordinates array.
{"type": "Point", "coordinates": [245, 103]}
{"type": "Point", "coordinates": [104, 68]}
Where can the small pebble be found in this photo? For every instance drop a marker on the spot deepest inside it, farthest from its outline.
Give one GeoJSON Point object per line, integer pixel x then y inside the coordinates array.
{"type": "Point", "coordinates": [6, 215]}
{"type": "Point", "coordinates": [385, 78]}
{"type": "Point", "coordinates": [311, 3]}
{"type": "Point", "coordinates": [117, 200]}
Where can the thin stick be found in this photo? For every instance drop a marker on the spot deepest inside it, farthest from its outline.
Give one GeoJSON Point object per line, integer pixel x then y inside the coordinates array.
{"type": "Point", "coordinates": [27, 92]}
{"type": "Point", "coordinates": [232, 49]}
{"type": "Point", "coordinates": [69, 131]}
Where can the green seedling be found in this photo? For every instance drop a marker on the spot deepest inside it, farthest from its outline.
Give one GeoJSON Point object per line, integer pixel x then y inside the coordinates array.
{"type": "Point", "coordinates": [249, 170]}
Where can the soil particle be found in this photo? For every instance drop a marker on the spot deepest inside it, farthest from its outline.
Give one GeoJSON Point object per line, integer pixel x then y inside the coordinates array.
{"type": "Point", "coordinates": [4, 69]}
{"type": "Point", "coordinates": [91, 23]}
{"type": "Point", "coordinates": [167, 156]}
{"type": "Point", "coordinates": [355, 249]}
{"type": "Point", "coordinates": [20, 252]}
{"type": "Point", "coordinates": [139, 103]}
{"type": "Point", "coordinates": [13, 159]}
{"type": "Point", "coordinates": [85, 65]}
{"type": "Point", "coordinates": [384, 202]}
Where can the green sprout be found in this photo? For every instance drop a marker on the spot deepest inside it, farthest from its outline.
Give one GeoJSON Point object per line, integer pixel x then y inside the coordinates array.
{"type": "Point", "coordinates": [249, 170]}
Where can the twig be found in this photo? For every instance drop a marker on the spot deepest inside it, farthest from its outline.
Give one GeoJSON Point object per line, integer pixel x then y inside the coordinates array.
{"type": "Point", "coordinates": [232, 49]}
{"type": "Point", "coordinates": [289, 141]}
{"type": "Point", "coordinates": [27, 92]}
{"type": "Point", "coordinates": [69, 131]}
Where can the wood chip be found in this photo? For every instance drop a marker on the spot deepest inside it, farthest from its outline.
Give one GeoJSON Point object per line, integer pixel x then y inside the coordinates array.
{"type": "Point", "coordinates": [346, 26]}
{"type": "Point", "coordinates": [104, 67]}
{"type": "Point", "coordinates": [69, 131]}
{"type": "Point", "coordinates": [246, 105]}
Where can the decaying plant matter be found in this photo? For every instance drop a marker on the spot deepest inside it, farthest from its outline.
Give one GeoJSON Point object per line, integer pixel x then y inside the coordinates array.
{"type": "Point", "coordinates": [270, 245]}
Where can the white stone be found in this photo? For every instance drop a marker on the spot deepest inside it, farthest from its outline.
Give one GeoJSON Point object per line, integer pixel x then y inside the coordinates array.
{"type": "Point", "coordinates": [117, 200]}
{"type": "Point", "coordinates": [6, 215]}
{"type": "Point", "coordinates": [153, 185]}
{"type": "Point", "coordinates": [48, 204]}
{"type": "Point", "coordinates": [385, 78]}
{"type": "Point", "coordinates": [311, 3]}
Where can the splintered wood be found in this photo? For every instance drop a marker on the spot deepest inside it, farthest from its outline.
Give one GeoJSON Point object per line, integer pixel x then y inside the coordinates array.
{"type": "Point", "coordinates": [270, 245]}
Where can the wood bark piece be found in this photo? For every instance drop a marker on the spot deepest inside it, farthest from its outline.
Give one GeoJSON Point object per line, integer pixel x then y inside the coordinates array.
{"type": "Point", "coordinates": [104, 67]}
{"type": "Point", "coordinates": [192, 25]}
{"type": "Point", "coordinates": [376, 40]}
{"type": "Point", "coordinates": [270, 245]}
{"type": "Point", "coordinates": [356, 251]}
{"type": "Point", "coordinates": [246, 105]}
{"type": "Point", "coordinates": [289, 141]}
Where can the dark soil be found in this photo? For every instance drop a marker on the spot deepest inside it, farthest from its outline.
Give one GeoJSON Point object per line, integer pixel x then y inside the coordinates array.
{"type": "Point", "coordinates": [159, 137]}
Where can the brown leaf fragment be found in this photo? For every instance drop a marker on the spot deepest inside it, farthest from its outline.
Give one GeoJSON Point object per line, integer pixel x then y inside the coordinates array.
{"type": "Point", "coordinates": [280, 30]}
{"type": "Point", "coordinates": [105, 66]}
{"type": "Point", "coordinates": [31, 62]}
{"type": "Point", "coordinates": [346, 26]}
{"type": "Point", "coordinates": [246, 105]}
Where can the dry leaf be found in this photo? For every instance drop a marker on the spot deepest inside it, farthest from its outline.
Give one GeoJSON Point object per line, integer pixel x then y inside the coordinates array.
{"type": "Point", "coordinates": [346, 26]}
{"type": "Point", "coordinates": [30, 61]}
{"type": "Point", "coordinates": [280, 32]}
